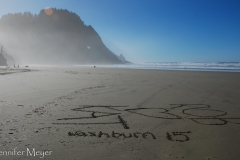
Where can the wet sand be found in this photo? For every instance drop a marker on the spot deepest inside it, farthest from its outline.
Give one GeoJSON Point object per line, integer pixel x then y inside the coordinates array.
{"type": "Point", "coordinates": [100, 113]}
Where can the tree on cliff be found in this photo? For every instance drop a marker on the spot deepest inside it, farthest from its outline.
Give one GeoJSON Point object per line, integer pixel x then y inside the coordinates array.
{"type": "Point", "coordinates": [3, 61]}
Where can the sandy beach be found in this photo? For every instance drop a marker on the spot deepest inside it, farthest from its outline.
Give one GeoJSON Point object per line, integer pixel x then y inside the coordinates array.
{"type": "Point", "coordinates": [102, 113]}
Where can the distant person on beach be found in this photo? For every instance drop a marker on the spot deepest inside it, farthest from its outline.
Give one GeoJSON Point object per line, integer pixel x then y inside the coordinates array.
{"type": "Point", "coordinates": [14, 66]}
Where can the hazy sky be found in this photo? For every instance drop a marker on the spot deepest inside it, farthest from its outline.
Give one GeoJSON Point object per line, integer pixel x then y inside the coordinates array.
{"type": "Point", "coordinates": [155, 30]}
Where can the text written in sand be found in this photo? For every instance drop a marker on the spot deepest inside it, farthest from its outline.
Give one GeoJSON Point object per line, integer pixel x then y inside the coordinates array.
{"type": "Point", "coordinates": [198, 113]}
{"type": "Point", "coordinates": [174, 136]}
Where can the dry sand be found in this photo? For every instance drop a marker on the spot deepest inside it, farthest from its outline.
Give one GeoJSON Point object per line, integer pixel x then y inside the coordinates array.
{"type": "Point", "coordinates": [97, 113]}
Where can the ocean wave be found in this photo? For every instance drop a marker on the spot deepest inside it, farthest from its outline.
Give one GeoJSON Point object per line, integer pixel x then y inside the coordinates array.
{"type": "Point", "coordinates": [198, 66]}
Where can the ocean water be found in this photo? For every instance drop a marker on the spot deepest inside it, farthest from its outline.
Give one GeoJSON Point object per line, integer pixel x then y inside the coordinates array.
{"type": "Point", "coordinates": [189, 66]}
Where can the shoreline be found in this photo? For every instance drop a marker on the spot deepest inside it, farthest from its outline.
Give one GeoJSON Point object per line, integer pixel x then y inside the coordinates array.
{"type": "Point", "coordinates": [116, 66]}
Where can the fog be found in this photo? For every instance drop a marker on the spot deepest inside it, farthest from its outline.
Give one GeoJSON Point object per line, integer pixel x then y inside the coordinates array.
{"type": "Point", "coordinates": [26, 48]}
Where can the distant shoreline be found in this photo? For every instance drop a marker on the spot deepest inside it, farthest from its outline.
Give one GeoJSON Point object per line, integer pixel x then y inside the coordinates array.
{"type": "Point", "coordinates": [162, 66]}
